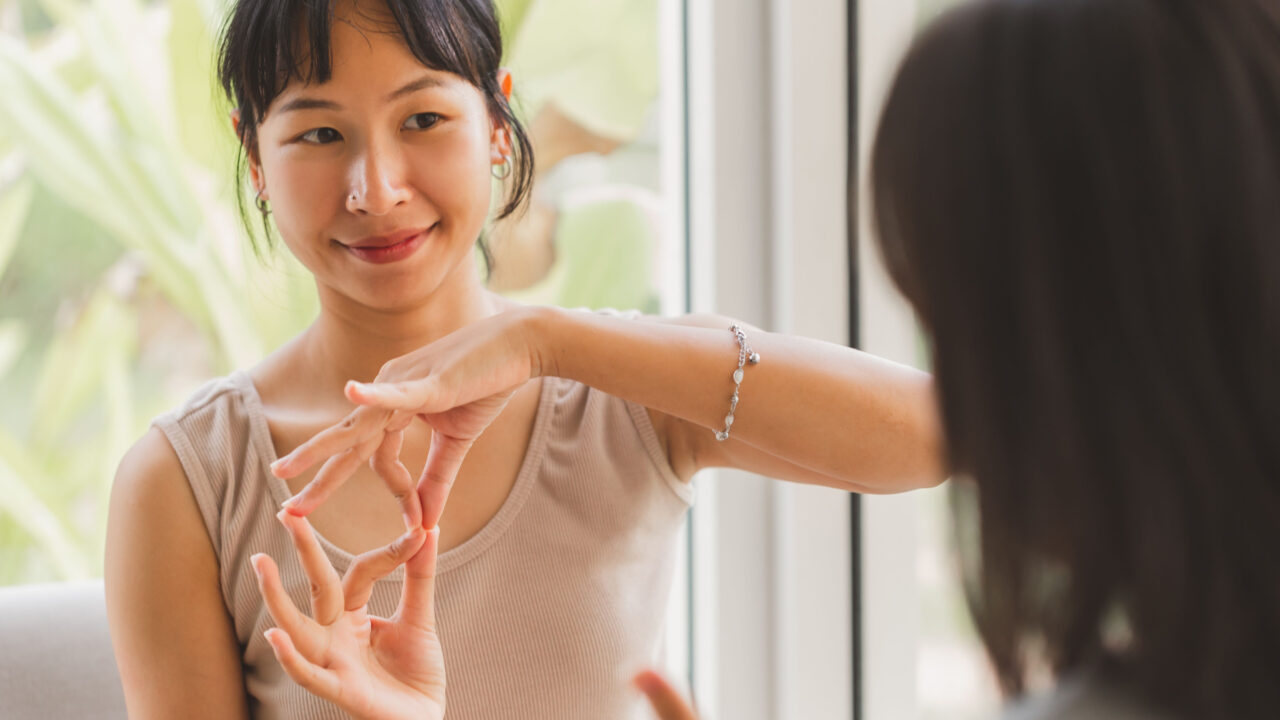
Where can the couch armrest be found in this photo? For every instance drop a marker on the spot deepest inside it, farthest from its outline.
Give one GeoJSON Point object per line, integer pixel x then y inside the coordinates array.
{"type": "Point", "coordinates": [56, 659]}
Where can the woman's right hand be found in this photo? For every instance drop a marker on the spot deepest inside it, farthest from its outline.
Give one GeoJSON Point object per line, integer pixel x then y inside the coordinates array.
{"type": "Point", "coordinates": [458, 385]}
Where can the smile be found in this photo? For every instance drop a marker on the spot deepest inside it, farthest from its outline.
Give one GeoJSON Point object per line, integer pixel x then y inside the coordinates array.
{"type": "Point", "coordinates": [381, 250]}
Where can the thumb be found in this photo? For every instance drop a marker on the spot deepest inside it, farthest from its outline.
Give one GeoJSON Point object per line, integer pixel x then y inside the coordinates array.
{"type": "Point", "coordinates": [411, 395]}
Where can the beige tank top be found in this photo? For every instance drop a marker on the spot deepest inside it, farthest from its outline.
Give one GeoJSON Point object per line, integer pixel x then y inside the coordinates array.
{"type": "Point", "coordinates": [544, 613]}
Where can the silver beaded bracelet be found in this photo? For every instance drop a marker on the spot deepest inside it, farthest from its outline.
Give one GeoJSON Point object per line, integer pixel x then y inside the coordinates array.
{"type": "Point", "coordinates": [745, 355]}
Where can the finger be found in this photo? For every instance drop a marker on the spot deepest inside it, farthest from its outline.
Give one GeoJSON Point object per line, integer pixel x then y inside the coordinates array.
{"type": "Point", "coordinates": [443, 462]}
{"type": "Point", "coordinates": [386, 463]}
{"type": "Point", "coordinates": [367, 568]}
{"type": "Point", "coordinates": [666, 701]}
{"type": "Point", "coordinates": [326, 589]}
{"type": "Point", "coordinates": [336, 470]}
{"type": "Point", "coordinates": [356, 428]}
{"type": "Point", "coordinates": [417, 600]}
{"type": "Point", "coordinates": [313, 678]}
{"type": "Point", "coordinates": [399, 420]}
{"type": "Point", "coordinates": [285, 614]}
{"type": "Point", "coordinates": [413, 396]}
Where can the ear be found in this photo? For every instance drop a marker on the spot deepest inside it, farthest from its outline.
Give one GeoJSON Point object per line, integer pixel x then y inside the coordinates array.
{"type": "Point", "coordinates": [500, 141]}
{"type": "Point", "coordinates": [500, 145]}
{"type": "Point", "coordinates": [504, 82]}
{"type": "Point", "coordinates": [255, 169]}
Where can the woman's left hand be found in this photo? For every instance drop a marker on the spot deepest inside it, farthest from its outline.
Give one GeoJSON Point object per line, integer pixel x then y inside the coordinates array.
{"type": "Point", "coordinates": [370, 667]}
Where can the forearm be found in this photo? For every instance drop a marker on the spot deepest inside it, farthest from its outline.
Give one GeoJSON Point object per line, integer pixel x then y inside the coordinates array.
{"type": "Point", "coordinates": [844, 414]}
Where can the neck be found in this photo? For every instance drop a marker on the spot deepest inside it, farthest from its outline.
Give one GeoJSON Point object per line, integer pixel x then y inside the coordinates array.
{"type": "Point", "coordinates": [352, 341]}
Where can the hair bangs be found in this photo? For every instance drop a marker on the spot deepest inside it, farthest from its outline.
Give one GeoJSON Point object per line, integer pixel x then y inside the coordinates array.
{"type": "Point", "coordinates": [268, 45]}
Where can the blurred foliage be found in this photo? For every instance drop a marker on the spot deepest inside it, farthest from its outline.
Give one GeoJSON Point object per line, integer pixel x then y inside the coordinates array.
{"type": "Point", "coordinates": [125, 275]}
{"type": "Point", "coordinates": [603, 80]}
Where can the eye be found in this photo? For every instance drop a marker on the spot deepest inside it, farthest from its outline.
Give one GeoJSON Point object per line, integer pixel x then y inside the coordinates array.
{"type": "Point", "coordinates": [321, 136]}
{"type": "Point", "coordinates": [421, 121]}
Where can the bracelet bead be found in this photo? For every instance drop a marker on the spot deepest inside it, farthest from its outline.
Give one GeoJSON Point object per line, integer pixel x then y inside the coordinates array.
{"type": "Point", "coordinates": [745, 355]}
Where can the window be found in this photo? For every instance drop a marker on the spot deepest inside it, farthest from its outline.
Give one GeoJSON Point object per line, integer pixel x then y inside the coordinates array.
{"type": "Point", "coordinates": [772, 614]}
{"type": "Point", "coordinates": [920, 656]}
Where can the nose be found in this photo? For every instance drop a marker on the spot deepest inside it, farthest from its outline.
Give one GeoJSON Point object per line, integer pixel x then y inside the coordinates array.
{"type": "Point", "coordinates": [378, 182]}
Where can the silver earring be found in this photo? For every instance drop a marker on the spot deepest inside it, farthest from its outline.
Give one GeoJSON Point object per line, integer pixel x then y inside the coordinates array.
{"type": "Point", "coordinates": [503, 170]}
{"type": "Point", "coordinates": [261, 204]}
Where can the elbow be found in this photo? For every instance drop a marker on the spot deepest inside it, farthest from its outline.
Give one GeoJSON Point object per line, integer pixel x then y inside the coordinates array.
{"type": "Point", "coordinates": [930, 466]}
{"type": "Point", "coordinates": [931, 479]}
{"type": "Point", "coordinates": [929, 456]}
{"type": "Point", "coordinates": [918, 462]}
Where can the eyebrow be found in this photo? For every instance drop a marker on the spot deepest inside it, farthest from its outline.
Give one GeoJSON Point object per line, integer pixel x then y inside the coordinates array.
{"type": "Point", "coordinates": [306, 103]}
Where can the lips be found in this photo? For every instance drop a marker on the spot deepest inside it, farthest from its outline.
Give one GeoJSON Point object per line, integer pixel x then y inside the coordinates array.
{"type": "Point", "coordinates": [382, 249]}
{"type": "Point", "coordinates": [382, 241]}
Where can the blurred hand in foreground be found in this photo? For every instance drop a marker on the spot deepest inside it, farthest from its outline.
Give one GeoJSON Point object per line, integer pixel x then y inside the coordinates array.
{"type": "Point", "coordinates": [665, 699]}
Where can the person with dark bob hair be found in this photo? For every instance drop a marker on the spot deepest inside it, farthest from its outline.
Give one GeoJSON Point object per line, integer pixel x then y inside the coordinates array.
{"type": "Point", "coordinates": [372, 132]}
{"type": "Point", "coordinates": [1081, 199]}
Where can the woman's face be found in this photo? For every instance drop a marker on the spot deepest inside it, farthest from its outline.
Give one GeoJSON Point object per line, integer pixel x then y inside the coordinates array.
{"type": "Point", "coordinates": [379, 178]}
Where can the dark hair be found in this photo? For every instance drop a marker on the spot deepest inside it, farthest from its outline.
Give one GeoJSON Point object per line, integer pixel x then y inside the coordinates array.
{"type": "Point", "coordinates": [1081, 199]}
{"type": "Point", "coordinates": [266, 44]}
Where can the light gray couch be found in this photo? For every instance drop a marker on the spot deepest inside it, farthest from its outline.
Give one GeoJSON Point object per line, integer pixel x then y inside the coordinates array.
{"type": "Point", "coordinates": [55, 654]}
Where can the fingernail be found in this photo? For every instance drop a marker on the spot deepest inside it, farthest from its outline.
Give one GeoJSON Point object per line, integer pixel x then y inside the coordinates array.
{"type": "Point", "coordinates": [258, 573]}
{"type": "Point", "coordinates": [646, 682]}
{"type": "Point", "coordinates": [277, 466]}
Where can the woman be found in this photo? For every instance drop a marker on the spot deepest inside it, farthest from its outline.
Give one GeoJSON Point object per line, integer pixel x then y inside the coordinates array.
{"type": "Point", "coordinates": [371, 132]}
{"type": "Point", "coordinates": [1080, 198]}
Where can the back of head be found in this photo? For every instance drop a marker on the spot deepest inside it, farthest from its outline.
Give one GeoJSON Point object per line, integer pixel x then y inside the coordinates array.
{"type": "Point", "coordinates": [1081, 198]}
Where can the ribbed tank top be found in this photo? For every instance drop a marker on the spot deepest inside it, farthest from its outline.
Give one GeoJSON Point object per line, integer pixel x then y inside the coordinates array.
{"type": "Point", "coordinates": [544, 613]}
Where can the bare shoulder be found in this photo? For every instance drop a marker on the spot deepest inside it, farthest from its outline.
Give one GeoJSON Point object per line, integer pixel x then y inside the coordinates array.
{"type": "Point", "coordinates": [149, 473]}
{"type": "Point", "coordinates": [174, 640]}
{"type": "Point", "coordinates": [153, 517]}
{"type": "Point", "coordinates": [152, 497]}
